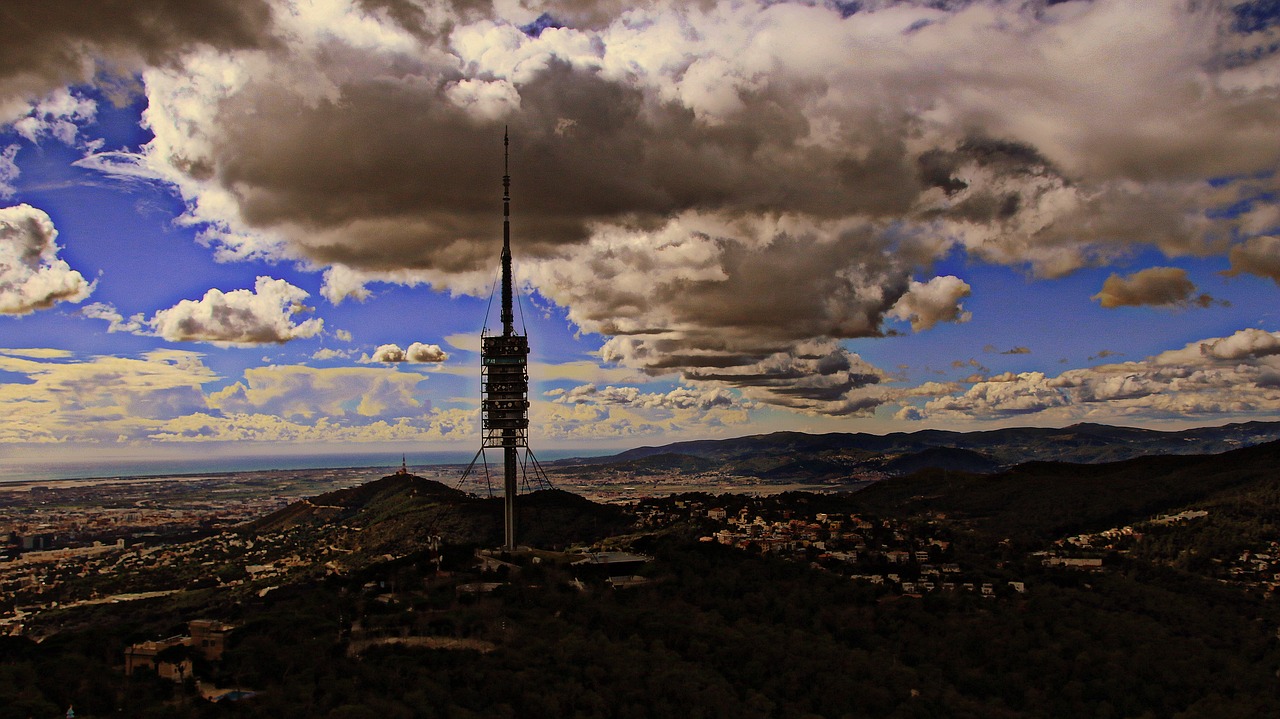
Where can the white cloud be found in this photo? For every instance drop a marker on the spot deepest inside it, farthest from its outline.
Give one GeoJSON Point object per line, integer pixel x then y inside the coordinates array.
{"type": "Point", "coordinates": [417, 352]}
{"type": "Point", "coordinates": [420, 352]}
{"type": "Point", "coordinates": [116, 321]}
{"type": "Point", "coordinates": [1003, 395]}
{"type": "Point", "coordinates": [328, 354]}
{"type": "Point", "coordinates": [385, 353]}
{"type": "Point", "coordinates": [341, 282]}
{"type": "Point", "coordinates": [119, 164]}
{"type": "Point", "coordinates": [32, 277]}
{"type": "Point", "coordinates": [59, 115]}
{"type": "Point", "coordinates": [240, 317]}
{"type": "Point", "coordinates": [925, 304]}
{"type": "Point", "coordinates": [8, 171]}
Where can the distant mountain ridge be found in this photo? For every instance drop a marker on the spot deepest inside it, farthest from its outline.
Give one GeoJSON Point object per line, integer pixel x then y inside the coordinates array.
{"type": "Point", "coordinates": [784, 456]}
{"type": "Point", "coordinates": [1051, 499]}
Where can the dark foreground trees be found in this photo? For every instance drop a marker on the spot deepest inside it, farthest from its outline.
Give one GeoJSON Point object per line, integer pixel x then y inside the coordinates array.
{"type": "Point", "coordinates": [718, 633]}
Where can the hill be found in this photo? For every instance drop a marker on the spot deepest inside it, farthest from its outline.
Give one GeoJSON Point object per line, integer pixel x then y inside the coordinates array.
{"type": "Point", "coordinates": [396, 515]}
{"type": "Point", "coordinates": [834, 457]}
{"type": "Point", "coordinates": [1046, 499]}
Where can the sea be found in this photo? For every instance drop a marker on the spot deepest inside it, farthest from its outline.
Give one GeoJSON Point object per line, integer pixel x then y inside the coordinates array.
{"type": "Point", "coordinates": [56, 470]}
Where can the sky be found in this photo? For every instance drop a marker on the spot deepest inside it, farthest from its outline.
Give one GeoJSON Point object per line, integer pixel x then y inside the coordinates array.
{"type": "Point", "coordinates": [273, 226]}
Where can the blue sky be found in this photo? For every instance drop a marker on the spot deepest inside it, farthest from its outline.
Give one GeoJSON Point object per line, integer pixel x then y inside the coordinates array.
{"type": "Point", "coordinates": [278, 233]}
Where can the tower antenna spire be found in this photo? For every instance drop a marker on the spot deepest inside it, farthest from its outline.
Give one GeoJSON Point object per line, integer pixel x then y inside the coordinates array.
{"type": "Point", "coordinates": [508, 317]}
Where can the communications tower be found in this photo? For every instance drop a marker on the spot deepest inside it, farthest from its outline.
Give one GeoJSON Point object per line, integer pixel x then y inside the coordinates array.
{"type": "Point", "coordinates": [504, 380]}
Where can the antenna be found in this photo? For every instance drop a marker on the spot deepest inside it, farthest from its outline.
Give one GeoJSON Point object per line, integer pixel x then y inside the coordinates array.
{"type": "Point", "coordinates": [508, 318]}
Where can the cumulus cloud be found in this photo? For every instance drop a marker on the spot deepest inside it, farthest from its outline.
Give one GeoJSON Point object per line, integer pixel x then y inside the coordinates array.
{"type": "Point", "coordinates": [1233, 375]}
{"type": "Point", "coordinates": [262, 315]}
{"type": "Point", "coordinates": [1154, 286]}
{"type": "Point", "coordinates": [32, 277]}
{"type": "Point", "coordinates": [417, 352]}
{"type": "Point", "coordinates": [925, 304]}
{"type": "Point", "coordinates": [1002, 395]}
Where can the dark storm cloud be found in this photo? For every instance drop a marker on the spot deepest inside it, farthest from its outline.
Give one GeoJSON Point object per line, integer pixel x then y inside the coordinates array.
{"type": "Point", "coordinates": [51, 43]}
{"type": "Point", "coordinates": [410, 179]}
{"type": "Point", "coordinates": [385, 158]}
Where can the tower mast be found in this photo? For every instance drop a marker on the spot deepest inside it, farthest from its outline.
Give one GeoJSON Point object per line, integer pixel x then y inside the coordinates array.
{"type": "Point", "coordinates": [508, 318]}
{"type": "Point", "coordinates": [505, 375]}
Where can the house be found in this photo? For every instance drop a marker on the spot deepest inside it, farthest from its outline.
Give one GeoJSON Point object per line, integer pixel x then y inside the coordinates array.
{"type": "Point", "coordinates": [147, 656]}
{"type": "Point", "coordinates": [209, 637]}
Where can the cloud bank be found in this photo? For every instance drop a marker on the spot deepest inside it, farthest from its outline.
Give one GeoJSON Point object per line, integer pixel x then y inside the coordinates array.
{"type": "Point", "coordinates": [173, 396]}
{"type": "Point", "coordinates": [1234, 375]}
{"type": "Point", "coordinates": [724, 191]}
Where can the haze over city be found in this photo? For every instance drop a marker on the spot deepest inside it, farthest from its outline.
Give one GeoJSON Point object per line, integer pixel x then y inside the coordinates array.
{"type": "Point", "coordinates": [268, 227]}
